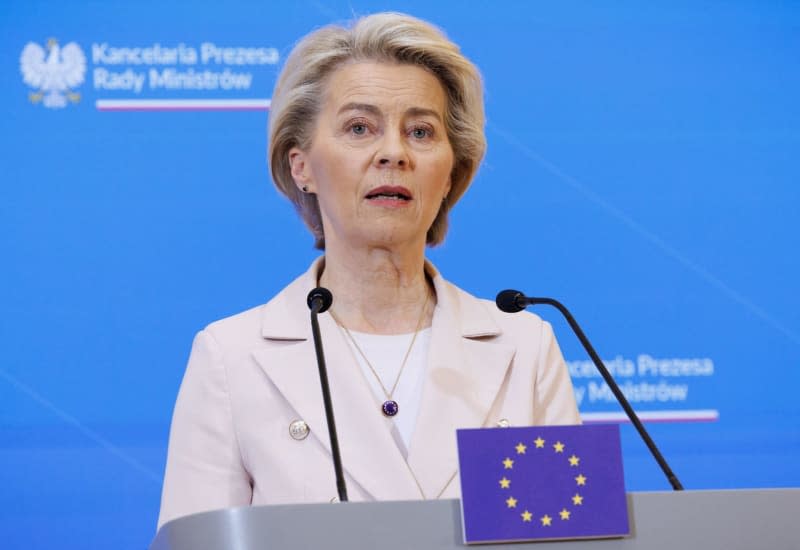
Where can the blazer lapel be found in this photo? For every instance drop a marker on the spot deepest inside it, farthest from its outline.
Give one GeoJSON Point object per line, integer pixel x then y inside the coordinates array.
{"type": "Point", "coordinates": [466, 369]}
{"type": "Point", "coordinates": [369, 453]}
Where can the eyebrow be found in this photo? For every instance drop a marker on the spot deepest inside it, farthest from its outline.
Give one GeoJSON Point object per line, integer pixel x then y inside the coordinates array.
{"type": "Point", "coordinates": [372, 109]}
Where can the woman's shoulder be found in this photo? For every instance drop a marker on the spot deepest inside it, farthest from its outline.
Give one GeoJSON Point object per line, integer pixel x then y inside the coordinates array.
{"type": "Point", "coordinates": [284, 316]}
{"type": "Point", "coordinates": [244, 326]}
{"type": "Point", "coordinates": [484, 313]}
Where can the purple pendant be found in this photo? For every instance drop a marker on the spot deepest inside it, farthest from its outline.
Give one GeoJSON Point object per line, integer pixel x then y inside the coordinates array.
{"type": "Point", "coordinates": [390, 408]}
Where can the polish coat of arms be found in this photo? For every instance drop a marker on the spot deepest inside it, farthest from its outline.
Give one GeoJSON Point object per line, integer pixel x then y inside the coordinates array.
{"type": "Point", "coordinates": [54, 72]}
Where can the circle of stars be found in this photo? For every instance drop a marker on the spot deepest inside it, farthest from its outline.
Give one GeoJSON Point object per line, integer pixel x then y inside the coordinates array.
{"type": "Point", "coordinates": [546, 520]}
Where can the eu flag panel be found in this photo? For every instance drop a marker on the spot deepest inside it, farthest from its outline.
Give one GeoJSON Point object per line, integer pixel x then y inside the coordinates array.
{"type": "Point", "coordinates": [541, 483]}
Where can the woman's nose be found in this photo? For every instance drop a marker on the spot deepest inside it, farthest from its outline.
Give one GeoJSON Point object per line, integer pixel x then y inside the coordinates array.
{"type": "Point", "coordinates": [389, 160]}
{"type": "Point", "coordinates": [392, 152]}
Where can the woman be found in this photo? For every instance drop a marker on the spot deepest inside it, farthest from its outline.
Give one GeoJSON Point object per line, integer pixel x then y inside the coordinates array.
{"type": "Point", "coordinates": [375, 133]}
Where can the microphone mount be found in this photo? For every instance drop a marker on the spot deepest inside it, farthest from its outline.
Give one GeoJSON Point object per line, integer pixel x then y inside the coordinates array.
{"type": "Point", "coordinates": [512, 301]}
{"type": "Point", "coordinates": [319, 300]}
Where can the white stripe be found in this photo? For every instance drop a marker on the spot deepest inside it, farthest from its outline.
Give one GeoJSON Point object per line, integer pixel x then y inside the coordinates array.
{"type": "Point", "coordinates": [166, 104]}
{"type": "Point", "coordinates": [705, 415]}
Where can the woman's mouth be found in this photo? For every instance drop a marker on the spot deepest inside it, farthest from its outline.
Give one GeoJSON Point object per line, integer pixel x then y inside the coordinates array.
{"type": "Point", "coordinates": [389, 193]}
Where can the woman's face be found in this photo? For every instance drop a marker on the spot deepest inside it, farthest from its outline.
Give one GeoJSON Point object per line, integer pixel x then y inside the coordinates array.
{"type": "Point", "coordinates": [380, 158]}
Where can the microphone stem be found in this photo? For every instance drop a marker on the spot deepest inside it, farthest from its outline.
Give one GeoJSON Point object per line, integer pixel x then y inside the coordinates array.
{"type": "Point", "coordinates": [673, 479]}
{"type": "Point", "coordinates": [326, 397]}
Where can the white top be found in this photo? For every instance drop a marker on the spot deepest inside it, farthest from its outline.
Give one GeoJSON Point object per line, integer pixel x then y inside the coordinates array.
{"type": "Point", "coordinates": [385, 354]}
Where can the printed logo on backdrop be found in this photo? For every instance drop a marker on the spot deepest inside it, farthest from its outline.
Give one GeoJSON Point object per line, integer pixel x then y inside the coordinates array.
{"type": "Point", "coordinates": [659, 389]}
{"type": "Point", "coordinates": [54, 72]}
{"type": "Point", "coordinates": [204, 76]}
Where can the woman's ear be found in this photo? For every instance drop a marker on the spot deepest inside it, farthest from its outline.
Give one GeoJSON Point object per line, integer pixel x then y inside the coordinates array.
{"type": "Point", "coordinates": [301, 170]}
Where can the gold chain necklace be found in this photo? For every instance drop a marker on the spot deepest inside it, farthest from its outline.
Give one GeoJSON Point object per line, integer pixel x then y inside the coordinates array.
{"type": "Point", "coordinates": [389, 407]}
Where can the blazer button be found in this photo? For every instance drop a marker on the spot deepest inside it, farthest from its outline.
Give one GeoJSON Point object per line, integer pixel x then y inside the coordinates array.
{"type": "Point", "coordinates": [503, 423]}
{"type": "Point", "coordinates": [299, 430]}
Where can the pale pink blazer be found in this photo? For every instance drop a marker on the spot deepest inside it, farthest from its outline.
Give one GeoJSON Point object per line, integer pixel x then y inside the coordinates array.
{"type": "Point", "coordinates": [251, 375]}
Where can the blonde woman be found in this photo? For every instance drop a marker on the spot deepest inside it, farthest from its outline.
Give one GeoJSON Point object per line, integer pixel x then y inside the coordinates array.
{"type": "Point", "coordinates": [375, 132]}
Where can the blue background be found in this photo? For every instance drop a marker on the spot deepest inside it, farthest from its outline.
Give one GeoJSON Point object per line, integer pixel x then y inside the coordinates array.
{"type": "Point", "coordinates": [642, 167]}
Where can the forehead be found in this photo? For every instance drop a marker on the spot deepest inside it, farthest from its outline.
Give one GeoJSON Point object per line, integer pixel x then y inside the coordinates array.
{"type": "Point", "coordinates": [385, 85]}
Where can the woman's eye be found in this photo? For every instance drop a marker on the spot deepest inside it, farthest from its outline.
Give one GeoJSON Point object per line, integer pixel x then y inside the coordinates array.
{"type": "Point", "coordinates": [358, 127]}
{"type": "Point", "coordinates": [420, 133]}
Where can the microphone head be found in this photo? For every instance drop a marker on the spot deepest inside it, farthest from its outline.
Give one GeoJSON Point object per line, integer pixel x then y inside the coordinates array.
{"type": "Point", "coordinates": [509, 301]}
{"type": "Point", "coordinates": [320, 294]}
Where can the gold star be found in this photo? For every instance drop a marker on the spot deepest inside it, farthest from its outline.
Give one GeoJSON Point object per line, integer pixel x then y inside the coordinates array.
{"type": "Point", "coordinates": [546, 520]}
{"type": "Point", "coordinates": [526, 516]}
{"type": "Point", "coordinates": [521, 449]}
{"type": "Point", "coordinates": [558, 446]}
{"type": "Point", "coordinates": [505, 483]}
{"type": "Point", "coordinates": [511, 502]}
{"type": "Point", "coordinates": [539, 443]}
{"type": "Point", "coordinates": [574, 460]}
{"type": "Point", "coordinates": [564, 513]}
{"type": "Point", "coordinates": [581, 479]}
{"type": "Point", "coordinates": [577, 500]}
{"type": "Point", "coordinates": [508, 463]}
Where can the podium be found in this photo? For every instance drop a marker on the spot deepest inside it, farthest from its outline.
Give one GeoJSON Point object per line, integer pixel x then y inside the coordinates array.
{"type": "Point", "coordinates": [707, 520]}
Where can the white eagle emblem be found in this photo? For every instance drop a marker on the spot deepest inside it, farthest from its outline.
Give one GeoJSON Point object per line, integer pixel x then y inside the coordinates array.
{"type": "Point", "coordinates": [53, 72]}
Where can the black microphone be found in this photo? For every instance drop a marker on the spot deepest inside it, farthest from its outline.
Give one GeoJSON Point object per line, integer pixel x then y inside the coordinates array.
{"type": "Point", "coordinates": [319, 300]}
{"type": "Point", "coordinates": [508, 301]}
{"type": "Point", "coordinates": [512, 301]}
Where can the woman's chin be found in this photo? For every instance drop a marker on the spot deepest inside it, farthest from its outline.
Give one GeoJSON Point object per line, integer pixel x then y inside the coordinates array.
{"type": "Point", "coordinates": [393, 238]}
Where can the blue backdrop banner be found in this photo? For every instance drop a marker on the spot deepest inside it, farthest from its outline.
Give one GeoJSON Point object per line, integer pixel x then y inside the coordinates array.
{"type": "Point", "coordinates": [642, 168]}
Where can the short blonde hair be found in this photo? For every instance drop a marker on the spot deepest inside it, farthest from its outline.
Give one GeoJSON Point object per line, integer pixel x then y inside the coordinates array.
{"type": "Point", "coordinates": [390, 37]}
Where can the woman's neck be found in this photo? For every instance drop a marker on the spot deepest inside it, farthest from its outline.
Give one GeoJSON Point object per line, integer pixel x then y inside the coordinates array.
{"type": "Point", "coordinates": [378, 291]}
